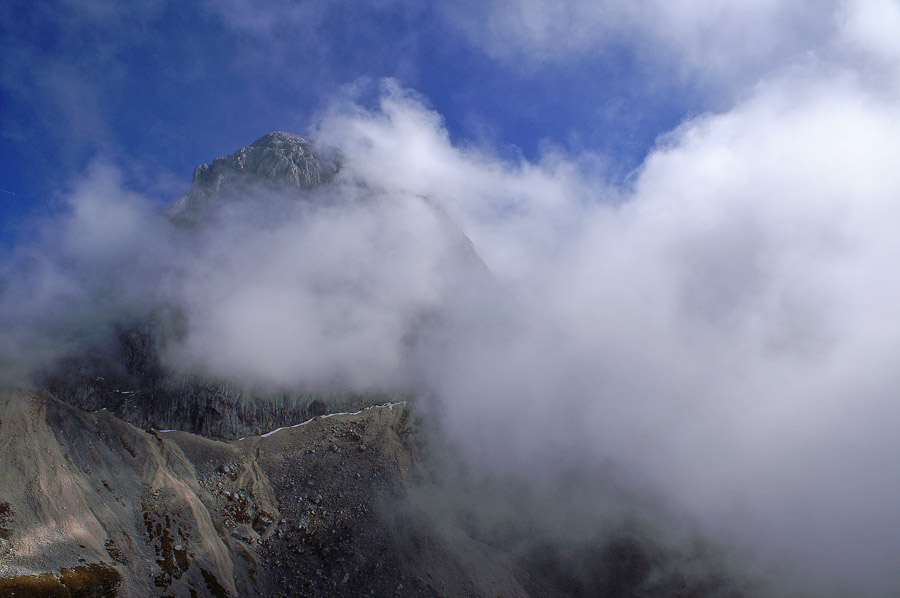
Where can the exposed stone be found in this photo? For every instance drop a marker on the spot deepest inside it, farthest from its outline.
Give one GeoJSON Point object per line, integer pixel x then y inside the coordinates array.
{"type": "Point", "coordinates": [280, 160]}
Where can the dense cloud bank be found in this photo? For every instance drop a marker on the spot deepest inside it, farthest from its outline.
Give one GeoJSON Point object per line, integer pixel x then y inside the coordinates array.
{"type": "Point", "coordinates": [722, 329]}
{"type": "Point", "coordinates": [277, 288]}
{"type": "Point", "coordinates": [722, 326]}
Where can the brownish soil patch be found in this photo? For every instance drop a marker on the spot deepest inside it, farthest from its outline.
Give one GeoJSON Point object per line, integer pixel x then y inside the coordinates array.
{"type": "Point", "coordinates": [90, 581]}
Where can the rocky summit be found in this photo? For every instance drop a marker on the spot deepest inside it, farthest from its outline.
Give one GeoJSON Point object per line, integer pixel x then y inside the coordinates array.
{"type": "Point", "coordinates": [279, 159]}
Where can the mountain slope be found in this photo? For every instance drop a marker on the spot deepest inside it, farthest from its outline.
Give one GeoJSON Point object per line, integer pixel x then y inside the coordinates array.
{"type": "Point", "coordinates": [319, 507]}
{"type": "Point", "coordinates": [145, 465]}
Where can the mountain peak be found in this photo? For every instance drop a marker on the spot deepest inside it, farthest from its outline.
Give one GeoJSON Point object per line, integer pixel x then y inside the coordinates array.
{"type": "Point", "coordinates": [281, 139]}
{"type": "Point", "coordinates": [277, 159]}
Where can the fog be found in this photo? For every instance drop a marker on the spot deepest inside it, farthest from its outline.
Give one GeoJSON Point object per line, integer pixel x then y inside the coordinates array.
{"type": "Point", "coordinates": [721, 326]}
{"type": "Point", "coordinates": [275, 291]}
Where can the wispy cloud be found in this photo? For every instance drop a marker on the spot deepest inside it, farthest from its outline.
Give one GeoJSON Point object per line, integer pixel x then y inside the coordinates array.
{"type": "Point", "coordinates": [734, 39]}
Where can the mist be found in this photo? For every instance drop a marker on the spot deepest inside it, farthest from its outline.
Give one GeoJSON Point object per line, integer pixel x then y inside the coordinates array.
{"type": "Point", "coordinates": [719, 325]}
{"type": "Point", "coordinates": [322, 291]}
{"type": "Point", "coordinates": [719, 328]}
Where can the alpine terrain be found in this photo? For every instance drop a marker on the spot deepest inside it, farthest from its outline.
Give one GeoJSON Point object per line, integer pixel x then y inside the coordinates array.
{"type": "Point", "coordinates": [148, 458]}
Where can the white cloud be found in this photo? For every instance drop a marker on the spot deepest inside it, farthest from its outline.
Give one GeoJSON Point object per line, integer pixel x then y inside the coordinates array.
{"type": "Point", "coordinates": [323, 291]}
{"type": "Point", "coordinates": [722, 330]}
{"type": "Point", "coordinates": [276, 290]}
{"type": "Point", "coordinates": [97, 260]}
{"type": "Point", "coordinates": [873, 26]}
{"type": "Point", "coordinates": [404, 146]}
{"type": "Point", "coordinates": [731, 39]}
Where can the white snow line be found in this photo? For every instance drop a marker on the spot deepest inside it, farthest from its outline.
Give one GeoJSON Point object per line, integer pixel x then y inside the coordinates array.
{"type": "Point", "coordinates": [390, 405]}
{"type": "Point", "coordinates": [267, 434]}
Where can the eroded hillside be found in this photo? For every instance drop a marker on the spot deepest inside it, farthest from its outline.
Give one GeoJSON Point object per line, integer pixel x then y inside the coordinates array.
{"type": "Point", "coordinates": [92, 506]}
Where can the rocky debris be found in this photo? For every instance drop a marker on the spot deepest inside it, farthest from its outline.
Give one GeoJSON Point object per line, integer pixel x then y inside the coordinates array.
{"type": "Point", "coordinates": [180, 515]}
{"type": "Point", "coordinates": [92, 506]}
{"type": "Point", "coordinates": [330, 533]}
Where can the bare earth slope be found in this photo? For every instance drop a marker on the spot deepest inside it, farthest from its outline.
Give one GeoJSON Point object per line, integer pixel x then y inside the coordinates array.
{"type": "Point", "coordinates": [92, 506]}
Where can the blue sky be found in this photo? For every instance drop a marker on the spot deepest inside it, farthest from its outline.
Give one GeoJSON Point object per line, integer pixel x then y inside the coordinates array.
{"type": "Point", "coordinates": [158, 87]}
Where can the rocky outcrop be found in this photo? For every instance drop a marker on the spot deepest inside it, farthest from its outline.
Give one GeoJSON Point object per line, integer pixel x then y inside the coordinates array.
{"type": "Point", "coordinates": [280, 160]}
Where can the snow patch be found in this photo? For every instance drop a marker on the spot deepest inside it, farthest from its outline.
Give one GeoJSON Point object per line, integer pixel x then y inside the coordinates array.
{"type": "Point", "coordinates": [389, 405]}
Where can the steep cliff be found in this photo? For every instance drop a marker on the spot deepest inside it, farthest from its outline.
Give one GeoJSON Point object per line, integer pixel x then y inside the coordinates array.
{"type": "Point", "coordinates": [88, 494]}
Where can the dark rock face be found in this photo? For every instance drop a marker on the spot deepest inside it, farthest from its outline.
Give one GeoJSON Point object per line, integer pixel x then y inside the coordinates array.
{"type": "Point", "coordinates": [127, 377]}
{"type": "Point", "coordinates": [279, 160]}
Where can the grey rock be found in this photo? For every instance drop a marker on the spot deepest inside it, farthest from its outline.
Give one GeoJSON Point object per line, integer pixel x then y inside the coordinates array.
{"type": "Point", "coordinates": [280, 160]}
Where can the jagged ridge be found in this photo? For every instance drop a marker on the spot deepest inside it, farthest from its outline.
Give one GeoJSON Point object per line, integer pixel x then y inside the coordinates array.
{"type": "Point", "coordinates": [278, 159]}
